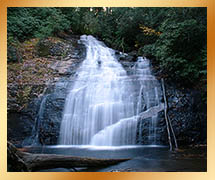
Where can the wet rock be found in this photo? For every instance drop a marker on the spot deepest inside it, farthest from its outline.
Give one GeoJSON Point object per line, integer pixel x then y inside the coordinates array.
{"type": "Point", "coordinates": [134, 54]}
{"type": "Point", "coordinates": [50, 123]}
{"type": "Point", "coordinates": [20, 124]}
{"type": "Point", "coordinates": [117, 52]}
{"type": "Point", "coordinates": [188, 115]}
{"type": "Point", "coordinates": [130, 57]}
{"type": "Point", "coordinates": [125, 57]}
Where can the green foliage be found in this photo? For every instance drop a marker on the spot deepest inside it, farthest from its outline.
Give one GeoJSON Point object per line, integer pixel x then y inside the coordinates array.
{"type": "Point", "coordinates": [54, 23]}
{"type": "Point", "coordinates": [176, 37]}
{"type": "Point", "coordinates": [180, 49]}
{"type": "Point", "coordinates": [20, 23]}
{"type": "Point", "coordinates": [24, 23]}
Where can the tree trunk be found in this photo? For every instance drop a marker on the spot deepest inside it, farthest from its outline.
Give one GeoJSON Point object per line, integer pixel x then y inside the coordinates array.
{"type": "Point", "coordinates": [165, 114]}
{"type": "Point", "coordinates": [33, 162]}
{"type": "Point", "coordinates": [173, 133]}
{"type": "Point", "coordinates": [168, 122]}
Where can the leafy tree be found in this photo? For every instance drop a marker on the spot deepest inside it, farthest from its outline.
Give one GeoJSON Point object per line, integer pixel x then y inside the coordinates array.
{"type": "Point", "coordinates": [176, 37]}
{"type": "Point", "coordinates": [181, 44]}
{"type": "Point", "coordinates": [24, 23]}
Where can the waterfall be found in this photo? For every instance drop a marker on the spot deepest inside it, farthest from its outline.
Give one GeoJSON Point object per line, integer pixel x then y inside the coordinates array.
{"type": "Point", "coordinates": [148, 100]}
{"type": "Point", "coordinates": [34, 138]}
{"type": "Point", "coordinates": [101, 107]}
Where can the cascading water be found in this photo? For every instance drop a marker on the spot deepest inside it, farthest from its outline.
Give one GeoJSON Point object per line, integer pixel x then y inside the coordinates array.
{"type": "Point", "coordinates": [148, 104]}
{"type": "Point", "coordinates": [34, 138]}
{"type": "Point", "coordinates": [101, 107]}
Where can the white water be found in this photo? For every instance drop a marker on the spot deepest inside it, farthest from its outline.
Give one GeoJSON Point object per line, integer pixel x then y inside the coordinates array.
{"type": "Point", "coordinates": [101, 108]}
{"type": "Point", "coordinates": [148, 99]}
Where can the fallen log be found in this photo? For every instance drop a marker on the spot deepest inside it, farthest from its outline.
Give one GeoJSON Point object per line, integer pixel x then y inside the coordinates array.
{"type": "Point", "coordinates": [33, 162]}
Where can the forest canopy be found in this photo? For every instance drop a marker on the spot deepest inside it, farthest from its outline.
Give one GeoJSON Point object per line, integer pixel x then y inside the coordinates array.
{"type": "Point", "coordinates": [176, 38]}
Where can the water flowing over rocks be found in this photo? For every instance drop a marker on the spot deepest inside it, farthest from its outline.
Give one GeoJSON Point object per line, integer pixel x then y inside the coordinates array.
{"type": "Point", "coordinates": [40, 122]}
{"type": "Point", "coordinates": [104, 105]}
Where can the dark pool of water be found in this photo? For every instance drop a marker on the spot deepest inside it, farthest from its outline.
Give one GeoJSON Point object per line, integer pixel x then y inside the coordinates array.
{"type": "Point", "coordinates": [143, 158]}
{"type": "Point", "coordinates": [103, 151]}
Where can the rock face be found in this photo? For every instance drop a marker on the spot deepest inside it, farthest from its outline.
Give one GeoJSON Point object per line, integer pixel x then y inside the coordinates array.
{"type": "Point", "coordinates": [51, 109]}
{"type": "Point", "coordinates": [39, 122]}
{"type": "Point", "coordinates": [188, 115]}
